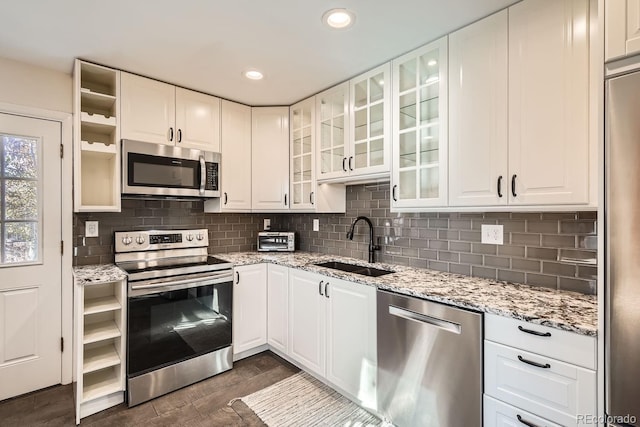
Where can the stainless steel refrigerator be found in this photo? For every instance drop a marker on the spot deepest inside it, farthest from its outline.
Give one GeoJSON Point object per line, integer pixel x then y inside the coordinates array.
{"type": "Point", "coordinates": [622, 239]}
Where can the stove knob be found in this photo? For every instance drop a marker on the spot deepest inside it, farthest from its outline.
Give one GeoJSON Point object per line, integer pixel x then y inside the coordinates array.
{"type": "Point", "coordinates": [140, 239]}
{"type": "Point", "coordinates": [200, 236]}
{"type": "Point", "coordinates": [126, 240]}
{"type": "Point", "coordinates": [189, 237]}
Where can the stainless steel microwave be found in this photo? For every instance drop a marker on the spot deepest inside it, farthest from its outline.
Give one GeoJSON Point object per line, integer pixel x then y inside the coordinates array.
{"type": "Point", "coordinates": [276, 241]}
{"type": "Point", "coordinates": [165, 170]}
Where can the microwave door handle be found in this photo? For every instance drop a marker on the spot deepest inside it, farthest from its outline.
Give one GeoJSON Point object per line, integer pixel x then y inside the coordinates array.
{"type": "Point", "coordinates": [203, 174]}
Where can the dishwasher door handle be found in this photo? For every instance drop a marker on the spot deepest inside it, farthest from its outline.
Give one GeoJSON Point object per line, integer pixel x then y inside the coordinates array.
{"type": "Point", "coordinates": [423, 318]}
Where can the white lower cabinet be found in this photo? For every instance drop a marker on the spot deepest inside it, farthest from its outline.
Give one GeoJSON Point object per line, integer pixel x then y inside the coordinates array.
{"type": "Point", "coordinates": [525, 375]}
{"type": "Point", "coordinates": [499, 414]}
{"type": "Point", "coordinates": [277, 307]}
{"type": "Point", "coordinates": [100, 345]}
{"type": "Point", "coordinates": [307, 319]}
{"type": "Point", "coordinates": [332, 332]}
{"type": "Point", "coordinates": [249, 307]}
{"type": "Point", "coordinates": [351, 339]}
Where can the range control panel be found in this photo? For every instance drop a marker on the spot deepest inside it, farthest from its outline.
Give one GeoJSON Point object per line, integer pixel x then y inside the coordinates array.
{"type": "Point", "coordinates": [150, 240]}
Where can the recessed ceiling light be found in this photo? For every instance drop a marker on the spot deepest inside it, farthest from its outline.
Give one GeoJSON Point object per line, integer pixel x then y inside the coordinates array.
{"type": "Point", "coordinates": [253, 75]}
{"type": "Point", "coordinates": [339, 18]}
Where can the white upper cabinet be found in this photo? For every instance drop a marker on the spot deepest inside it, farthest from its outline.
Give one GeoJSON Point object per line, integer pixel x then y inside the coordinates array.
{"type": "Point", "coordinates": [158, 112]}
{"type": "Point", "coordinates": [370, 123]}
{"type": "Point", "coordinates": [332, 132]}
{"type": "Point", "coordinates": [306, 193]}
{"type": "Point", "coordinates": [147, 110]}
{"type": "Point", "coordinates": [420, 127]}
{"type": "Point", "coordinates": [270, 159]}
{"type": "Point", "coordinates": [302, 117]}
{"type": "Point", "coordinates": [549, 102]}
{"type": "Point", "coordinates": [197, 120]}
{"type": "Point", "coordinates": [478, 144]}
{"type": "Point", "coordinates": [235, 146]}
{"type": "Point", "coordinates": [622, 26]}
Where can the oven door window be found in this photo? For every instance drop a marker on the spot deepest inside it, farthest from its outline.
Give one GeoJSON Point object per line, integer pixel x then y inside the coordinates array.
{"type": "Point", "coordinates": [155, 171]}
{"type": "Point", "coordinates": [169, 327]}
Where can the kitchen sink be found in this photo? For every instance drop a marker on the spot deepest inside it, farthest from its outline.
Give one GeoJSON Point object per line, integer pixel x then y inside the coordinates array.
{"type": "Point", "coordinates": [352, 268]}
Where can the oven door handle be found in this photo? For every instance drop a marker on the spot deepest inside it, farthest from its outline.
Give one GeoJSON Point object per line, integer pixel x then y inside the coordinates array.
{"type": "Point", "coordinates": [203, 174]}
{"type": "Point", "coordinates": [154, 288]}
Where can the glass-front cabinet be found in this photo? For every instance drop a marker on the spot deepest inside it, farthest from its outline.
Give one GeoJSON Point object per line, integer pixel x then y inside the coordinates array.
{"type": "Point", "coordinates": [419, 170]}
{"type": "Point", "coordinates": [332, 108]}
{"type": "Point", "coordinates": [302, 116]}
{"type": "Point", "coordinates": [370, 122]}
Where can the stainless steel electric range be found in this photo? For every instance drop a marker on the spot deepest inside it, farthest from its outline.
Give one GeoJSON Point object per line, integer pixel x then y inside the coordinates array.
{"type": "Point", "coordinates": [179, 310]}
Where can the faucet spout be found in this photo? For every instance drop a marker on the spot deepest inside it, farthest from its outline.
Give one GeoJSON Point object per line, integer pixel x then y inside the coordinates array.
{"type": "Point", "coordinates": [372, 247]}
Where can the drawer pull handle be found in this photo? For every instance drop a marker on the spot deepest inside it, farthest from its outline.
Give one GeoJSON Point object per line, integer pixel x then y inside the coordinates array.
{"type": "Point", "coordinates": [320, 288]}
{"type": "Point", "coordinates": [536, 364]}
{"type": "Point", "coordinates": [525, 422]}
{"type": "Point", "coordinates": [539, 334]}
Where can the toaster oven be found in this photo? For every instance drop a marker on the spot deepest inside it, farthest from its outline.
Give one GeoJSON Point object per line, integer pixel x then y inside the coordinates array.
{"type": "Point", "coordinates": [276, 241]}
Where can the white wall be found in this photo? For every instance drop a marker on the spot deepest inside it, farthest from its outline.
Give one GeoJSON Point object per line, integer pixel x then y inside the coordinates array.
{"type": "Point", "coordinates": [28, 85]}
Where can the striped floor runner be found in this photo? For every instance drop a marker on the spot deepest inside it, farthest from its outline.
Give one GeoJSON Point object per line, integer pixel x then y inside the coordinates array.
{"type": "Point", "coordinates": [302, 400]}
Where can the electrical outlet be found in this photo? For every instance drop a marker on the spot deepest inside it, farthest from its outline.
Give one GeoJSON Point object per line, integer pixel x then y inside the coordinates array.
{"type": "Point", "coordinates": [267, 224]}
{"type": "Point", "coordinates": [316, 225]}
{"type": "Point", "coordinates": [91, 228]}
{"type": "Point", "coordinates": [492, 234]}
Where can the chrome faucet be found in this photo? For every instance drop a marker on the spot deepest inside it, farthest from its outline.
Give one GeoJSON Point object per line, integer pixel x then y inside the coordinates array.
{"type": "Point", "coordinates": [372, 247]}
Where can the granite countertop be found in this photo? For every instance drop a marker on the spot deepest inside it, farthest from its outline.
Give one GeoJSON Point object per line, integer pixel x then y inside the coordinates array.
{"type": "Point", "coordinates": [95, 274]}
{"type": "Point", "coordinates": [568, 311]}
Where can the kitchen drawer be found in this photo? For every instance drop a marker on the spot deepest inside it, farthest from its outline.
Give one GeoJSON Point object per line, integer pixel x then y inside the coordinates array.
{"type": "Point", "coordinates": [558, 391]}
{"type": "Point", "coordinates": [499, 414]}
{"type": "Point", "coordinates": [561, 345]}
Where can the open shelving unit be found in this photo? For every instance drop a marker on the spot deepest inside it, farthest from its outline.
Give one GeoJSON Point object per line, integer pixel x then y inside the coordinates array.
{"type": "Point", "coordinates": [97, 138]}
{"type": "Point", "coordinates": [99, 346]}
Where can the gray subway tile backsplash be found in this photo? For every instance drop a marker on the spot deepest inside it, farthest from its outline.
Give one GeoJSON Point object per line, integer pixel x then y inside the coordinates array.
{"type": "Point", "coordinates": [550, 249]}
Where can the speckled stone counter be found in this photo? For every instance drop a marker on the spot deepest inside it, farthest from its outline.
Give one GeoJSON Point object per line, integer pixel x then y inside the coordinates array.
{"type": "Point", "coordinates": [569, 311]}
{"type": "Point", "coordinates": [94, 274]}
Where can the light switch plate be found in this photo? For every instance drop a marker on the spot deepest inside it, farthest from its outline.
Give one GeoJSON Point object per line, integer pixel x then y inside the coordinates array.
{"type": "Point", "coordinates": [316, 225]}
{"type": "Point", "coordinates": [267, 224]}
{"type": "Point", "coordinates": [492, 234]}
{"type": "Point", "coordinates": [91, 228]}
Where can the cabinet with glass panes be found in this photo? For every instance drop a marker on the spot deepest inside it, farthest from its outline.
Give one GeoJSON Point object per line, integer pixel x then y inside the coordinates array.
{"type": "Point", "coordinates": [302, 117]}
{"type": "Point", "coordinates": [419, 165]}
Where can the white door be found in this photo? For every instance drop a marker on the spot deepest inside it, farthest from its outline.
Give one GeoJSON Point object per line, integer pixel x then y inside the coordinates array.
{"type": "Point", "coordinates": [148, 110]}
{"type": "Point", "coordinates": [478, 113]}
{"type": "Point", "coordinates": [307, 314]}
{"type": "Point", "coordinates": [549, 102]}
{"type": "Point", "coordinates": [236, 155]}
{"type": "Point", "coordinates": [197, 120]}
{"type": "Point", "coordinates": [351, 339]}
{"type": "Point", "coordinates": [270, 158]}
{"type": "Point", "coordinates": [277, 307]}
{"type": "Point", "coordinates": [249, 307]}
{"type": "Point", "coordinates": [30, 259]}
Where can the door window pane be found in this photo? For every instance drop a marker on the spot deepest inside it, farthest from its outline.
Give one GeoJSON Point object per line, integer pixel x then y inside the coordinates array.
{"type": "Point", "coordinates": [20, 205]}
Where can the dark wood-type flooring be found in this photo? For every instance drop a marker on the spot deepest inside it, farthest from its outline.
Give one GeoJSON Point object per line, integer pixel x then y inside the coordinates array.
{"type": "Point", "coordinates": [200, 405]}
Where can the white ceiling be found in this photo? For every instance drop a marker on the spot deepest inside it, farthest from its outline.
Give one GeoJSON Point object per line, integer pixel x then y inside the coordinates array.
{"type": "Point", "coordinates": [206, 44]}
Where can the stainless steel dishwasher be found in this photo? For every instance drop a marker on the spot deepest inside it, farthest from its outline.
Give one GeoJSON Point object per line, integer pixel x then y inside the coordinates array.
{"type": "Point", "coordinates": [429, 363]}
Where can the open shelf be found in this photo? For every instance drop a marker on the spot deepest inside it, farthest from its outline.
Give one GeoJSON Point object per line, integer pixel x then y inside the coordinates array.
{"type": "Point", "coordinates": [98, 147]}
{"type": "Point", "coordinates": [98, 79]}
{"type": "Point", "coordinates": [100, 331]}
{"type": "Point", "coordinates": [100, 383]}
{"type": "Point", "coordinates": [101, 305]}
{"type": "Point", "coordinates": [99, 358]}
{"type": "Point", "coordinates": [98, 120]}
